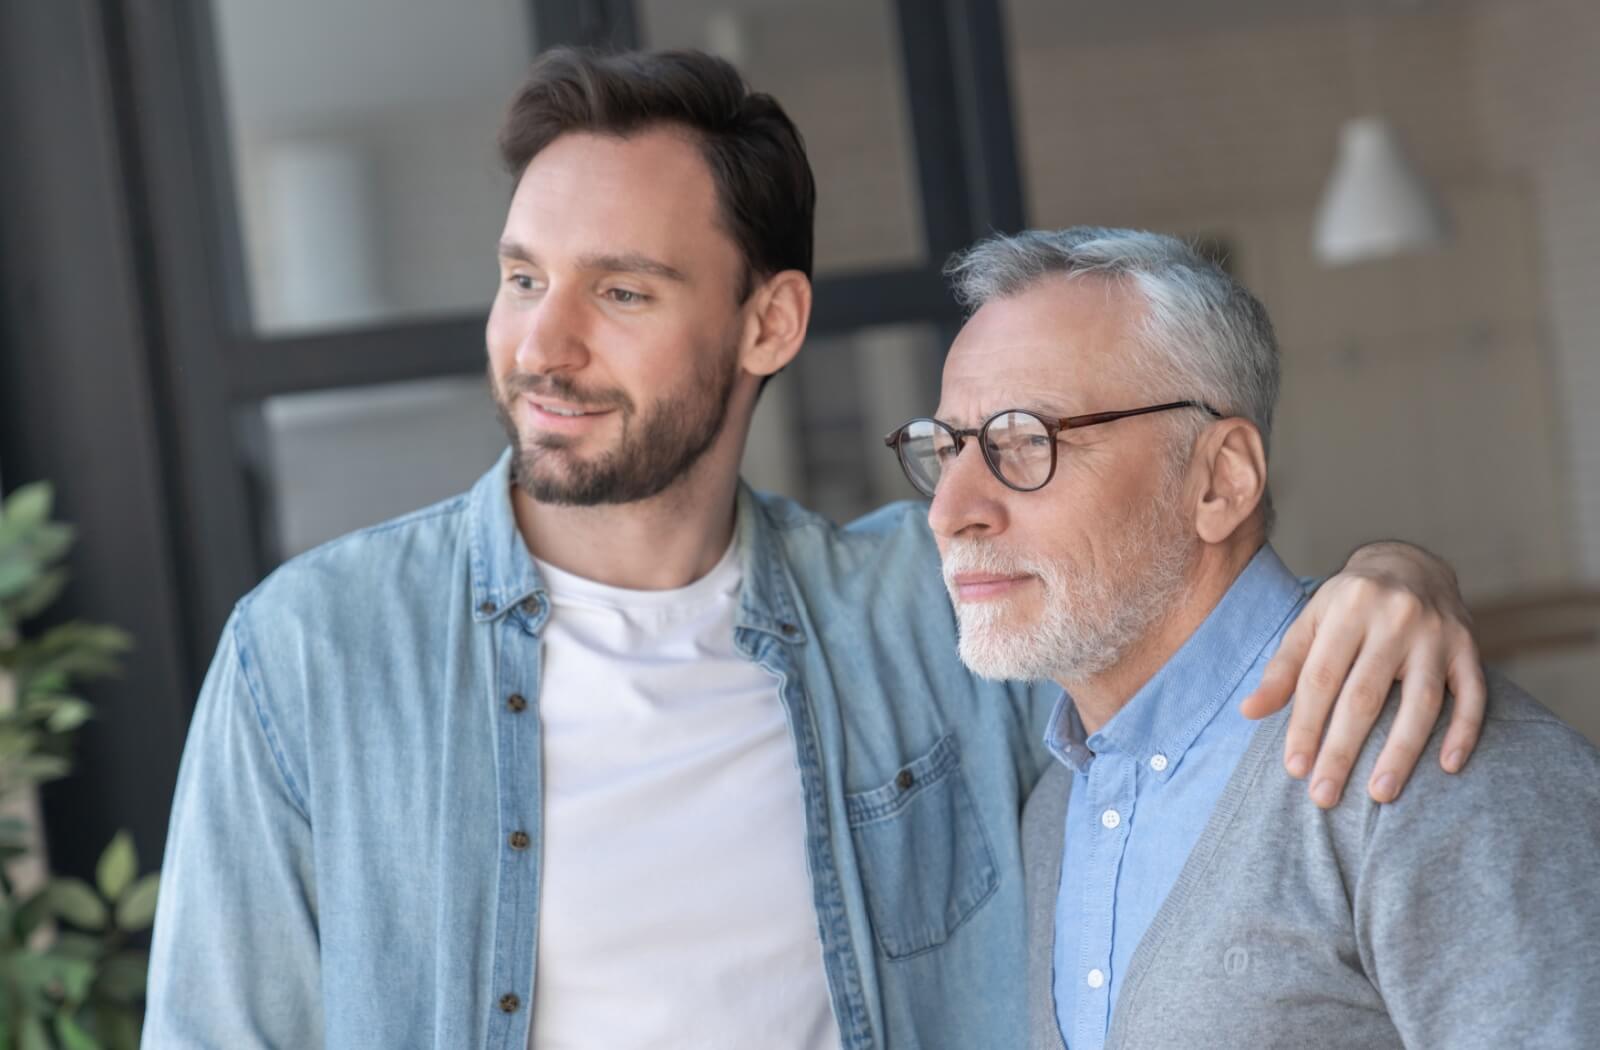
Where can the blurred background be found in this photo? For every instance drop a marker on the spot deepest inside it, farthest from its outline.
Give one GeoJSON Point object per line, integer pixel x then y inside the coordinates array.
{"type": "Point", "coordinates": [247, 248]}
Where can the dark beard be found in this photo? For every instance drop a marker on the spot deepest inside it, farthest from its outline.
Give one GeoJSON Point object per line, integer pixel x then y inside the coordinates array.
{"type": "Point", "coordinates": [655, 451]}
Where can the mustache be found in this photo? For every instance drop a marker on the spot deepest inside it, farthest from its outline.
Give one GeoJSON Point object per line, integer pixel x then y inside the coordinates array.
{"type": "Point", "coordinates": [519, 384]}
{"type": "Point", "coordinates": [963, 556]}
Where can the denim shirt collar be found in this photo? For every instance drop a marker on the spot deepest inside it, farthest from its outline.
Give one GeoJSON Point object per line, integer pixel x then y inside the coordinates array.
{"type": "Point", "coordinates": [766, 601]}
{"type": "Point", "coordinates": [1169, 711]}
{"type": "Point", "coordinates": [505, 577]}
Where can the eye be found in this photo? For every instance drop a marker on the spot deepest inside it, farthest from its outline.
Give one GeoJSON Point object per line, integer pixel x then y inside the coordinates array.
{"type": "Point", "coordinates": [521, 282]}
{"type": "Point", "coordinates": [626, 296]}
{"type": "Point", "coordinates": [945, 453]}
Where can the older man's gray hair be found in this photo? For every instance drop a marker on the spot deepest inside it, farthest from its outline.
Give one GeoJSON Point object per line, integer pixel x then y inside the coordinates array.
{"type": "Point", "coordinates": [1205, 336]}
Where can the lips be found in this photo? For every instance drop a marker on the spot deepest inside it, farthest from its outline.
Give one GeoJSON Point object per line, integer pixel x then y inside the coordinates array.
{"type": "Point", "coordinates": [560, 415]}
{"type": "Point", "coordinates": [979, 586]}
{"type": "Point", "coordinates": [557, 408]}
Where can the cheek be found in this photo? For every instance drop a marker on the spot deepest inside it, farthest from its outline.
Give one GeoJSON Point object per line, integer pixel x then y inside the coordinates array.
{"type": "Point", "coordinates": [501, 336]}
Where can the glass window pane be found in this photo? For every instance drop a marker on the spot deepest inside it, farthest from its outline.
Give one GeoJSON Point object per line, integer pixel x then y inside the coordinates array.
{"type": "Point", "coordinates": [366, 176]}
{"type": "Point", "coordinates": [835, 67]}
{"type": "Point", "coordinates": [818, 431]}
{"type": "Point", "coordinates": [344, 459]}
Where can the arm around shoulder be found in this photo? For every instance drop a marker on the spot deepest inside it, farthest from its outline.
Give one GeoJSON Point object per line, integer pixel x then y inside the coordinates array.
{"type": "Point", "coordinates": [234, 961]}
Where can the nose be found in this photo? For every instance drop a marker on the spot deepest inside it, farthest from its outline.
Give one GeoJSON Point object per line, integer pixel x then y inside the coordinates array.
{"type": "Point", "coordinates": [969, 500]}
{"type": "Point", "coordinates": [556, 334]}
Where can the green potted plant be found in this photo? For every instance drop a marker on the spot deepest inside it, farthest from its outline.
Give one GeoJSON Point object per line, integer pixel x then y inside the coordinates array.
{"type": "Point", "coordinates": [68, 978]}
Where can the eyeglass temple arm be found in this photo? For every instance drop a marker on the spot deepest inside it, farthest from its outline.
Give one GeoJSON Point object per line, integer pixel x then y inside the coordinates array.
{"type": "Point", "coordinates": [1093, 418]}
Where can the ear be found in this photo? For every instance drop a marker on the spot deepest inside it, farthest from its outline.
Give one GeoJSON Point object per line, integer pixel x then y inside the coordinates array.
{"type": "Point", "coordinates": [1234, 468]}
{"type": "Point", "coordinates": [777, 315]}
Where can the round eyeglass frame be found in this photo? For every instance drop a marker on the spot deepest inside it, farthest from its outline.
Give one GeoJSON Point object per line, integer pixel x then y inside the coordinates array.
{"type": "Point", "coordinates": [959, 435]}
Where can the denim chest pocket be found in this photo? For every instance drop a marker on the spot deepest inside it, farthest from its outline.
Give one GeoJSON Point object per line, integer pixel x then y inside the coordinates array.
{"type": "Point", "coordinates": [924, 857]}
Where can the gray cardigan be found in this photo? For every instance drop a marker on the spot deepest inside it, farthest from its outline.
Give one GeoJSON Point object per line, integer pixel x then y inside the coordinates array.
{"type": "Point", "coordinates": [1465, 914]}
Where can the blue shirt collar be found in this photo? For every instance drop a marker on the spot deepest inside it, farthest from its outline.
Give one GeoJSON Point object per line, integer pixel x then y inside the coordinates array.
{"type": "Point", "coordinates": [505, 578]}
{"type": "Point", "coordinates": [1168, 713]}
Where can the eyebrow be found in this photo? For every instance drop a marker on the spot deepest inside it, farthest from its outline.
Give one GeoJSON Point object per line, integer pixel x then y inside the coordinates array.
{"type": "Point", "coordinates": [625, 262]}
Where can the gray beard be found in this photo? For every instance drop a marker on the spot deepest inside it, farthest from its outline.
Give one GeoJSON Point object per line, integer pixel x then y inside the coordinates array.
{"type": "Point", "coordinates": [1092, 616]}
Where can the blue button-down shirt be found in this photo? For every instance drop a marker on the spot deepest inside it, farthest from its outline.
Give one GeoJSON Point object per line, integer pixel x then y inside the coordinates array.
{"type": "Point", "coordinates": [1144, 786]}
{"type": "Point", "coordinates": [354, 854]}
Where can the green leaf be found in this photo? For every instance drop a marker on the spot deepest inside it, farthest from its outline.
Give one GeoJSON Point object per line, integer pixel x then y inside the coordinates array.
{"type": "Point", "coordinates": [41, 768]}
{"type": "Point", "coordinates": [70, 945]}
{"type": "Point", "coordinates": [29, 505]}
{"type": "Point", "coordinates": [32, 1034]}
{"type": "Point", "coordinates": [69, 715]}
{"type": "Point", "coordinates": [137, 908]}
{"type": "Point", "coordinates": [74, 901]}
{"type": "Point", "coordinates": [33, 912]}
{"type": "Point", "coordinates": [17, 575]}
{"type": "Point", "coordinates": [118, 865]}
{"type": "Point", "coordinates": [47, 977]}
{"type": "Point", "coordinates": [72, 649]}
{"type": "Point", "coordinates": [14, 831]}
{"type": "Point", "coordinates": [119, 1028]}
{"type": "Point", "coordinates": [123, 977]}
{"type": "Point", "coordinates": [72, 1036]}
{"type": "Point", "coordinates": [39, 594]}
{"type": "Point", "coordinates": [50, 542]}
{"type": "Point", "coordinates": [44, 682]}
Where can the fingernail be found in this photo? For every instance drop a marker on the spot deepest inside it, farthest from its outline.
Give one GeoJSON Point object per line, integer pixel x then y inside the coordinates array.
{"type": "Point", "coordinates": [1383, 787]}
{"type": "Point", "coordinates": [1299, 765]}
{"type": "Point", "coordinates": [1452, 761]}
{"type": "Point", "coordinates": [1323, 793]}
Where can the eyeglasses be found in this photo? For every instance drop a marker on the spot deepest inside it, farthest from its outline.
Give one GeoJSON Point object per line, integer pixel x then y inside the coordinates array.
{"type": "Point", "coordinates": [1019, 446]}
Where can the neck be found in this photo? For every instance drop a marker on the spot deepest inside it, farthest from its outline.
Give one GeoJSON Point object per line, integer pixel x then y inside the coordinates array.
{"type": "Point", "coordinates": [1098, 698]}
{"type": "Point", "coordinates": [667, 541]}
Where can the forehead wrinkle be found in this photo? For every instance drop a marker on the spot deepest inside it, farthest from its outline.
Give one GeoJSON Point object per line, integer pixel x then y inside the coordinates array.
{"type": "Point", "coordinates": [989, 393]}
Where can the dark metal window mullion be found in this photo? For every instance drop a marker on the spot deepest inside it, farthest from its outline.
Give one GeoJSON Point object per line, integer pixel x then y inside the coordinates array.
{"type": "Point", "coordinates": [958, 91]}
{"type": "Point", "coordinates": [589, 23]}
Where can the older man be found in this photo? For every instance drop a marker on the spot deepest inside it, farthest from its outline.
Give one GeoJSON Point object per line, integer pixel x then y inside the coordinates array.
{"type": "Point", "coordinates": [1107, 529]}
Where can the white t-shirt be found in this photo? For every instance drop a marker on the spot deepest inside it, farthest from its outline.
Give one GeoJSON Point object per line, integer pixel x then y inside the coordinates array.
{"type": "Point", "coordinates": [675, 908]}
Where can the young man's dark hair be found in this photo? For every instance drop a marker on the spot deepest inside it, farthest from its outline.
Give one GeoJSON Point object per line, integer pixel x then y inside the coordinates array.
{"type": "Point", "coordinates": [757, 160]}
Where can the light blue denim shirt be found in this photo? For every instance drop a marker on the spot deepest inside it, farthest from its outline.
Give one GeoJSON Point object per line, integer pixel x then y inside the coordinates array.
{"type": "Point", "coordinates": [354, 851]}
{"type": "Point", "coordinates": [1144, 786]}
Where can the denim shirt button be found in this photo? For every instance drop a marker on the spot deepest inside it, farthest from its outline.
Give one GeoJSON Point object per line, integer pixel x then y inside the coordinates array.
{"type": "Point", "coordinates": [517, 703]}
{"type": "Point", "coordinates": [519, 840]}
{"type": "Point", "coordinates": [509, 1003]}
{"type": "Point", "coordinates": [905, 780]}
{"type": "Point", "coordinates": [531, 606]}
{"type": "Point", "coordinates": [789, 630]}
{"type": "Point", "coordinates": [487, 608]}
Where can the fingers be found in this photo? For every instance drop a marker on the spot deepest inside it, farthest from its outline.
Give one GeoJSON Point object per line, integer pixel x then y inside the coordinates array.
{"type": "Point", "coordinates": [1331, 657]}
{"type": "Point", "coordinates": [1466, 718]}
{"type": "Point", "coordinates": [1283, 671]}
{"type": "Point", "coordinates": [1421, 696]}
{"type": "Point", "coordinates": [1359, 703]}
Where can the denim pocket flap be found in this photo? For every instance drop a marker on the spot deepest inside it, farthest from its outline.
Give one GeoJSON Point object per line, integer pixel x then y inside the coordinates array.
{"type": "Point", "coordinates": [924, 857]}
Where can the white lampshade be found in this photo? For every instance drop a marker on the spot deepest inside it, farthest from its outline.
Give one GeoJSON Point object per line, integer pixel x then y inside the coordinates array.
{"type": "Point", "coordinates": [1375, 205]}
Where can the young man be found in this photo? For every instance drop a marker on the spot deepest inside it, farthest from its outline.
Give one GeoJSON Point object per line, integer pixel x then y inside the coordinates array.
{"type": "Point", "coordinates": [610, 751]}
{"type": "Point", "coordinates": [1099, 483]}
